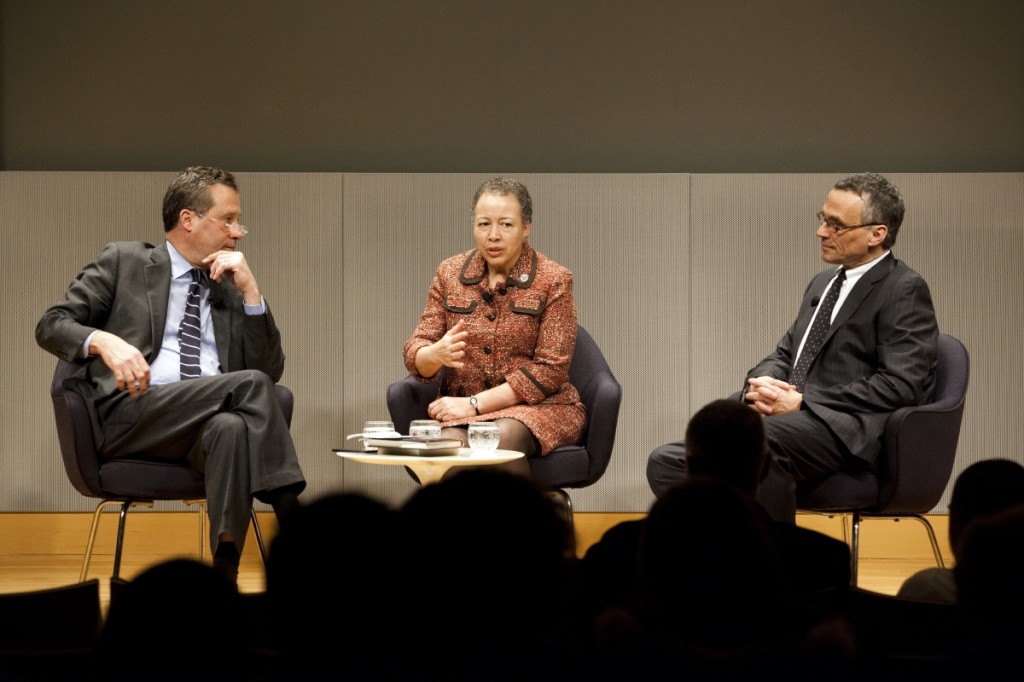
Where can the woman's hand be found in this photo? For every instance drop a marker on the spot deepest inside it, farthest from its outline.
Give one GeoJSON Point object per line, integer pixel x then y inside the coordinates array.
{"type": "Point", "coordinates": [447, 351]}
{"type": "Point", "coordinates": [448, 408]}
{"type": "Point", "coordinates": [450, 348]}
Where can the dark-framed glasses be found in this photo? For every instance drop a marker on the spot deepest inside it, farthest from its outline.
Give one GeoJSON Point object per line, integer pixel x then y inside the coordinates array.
{"type": "Point", "coordinates": [834, 226]}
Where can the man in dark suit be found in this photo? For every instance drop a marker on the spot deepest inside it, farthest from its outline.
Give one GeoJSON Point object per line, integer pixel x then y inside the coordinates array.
{"type": "Point", "coordinates": [878, 353]}
{"type": "Point", "coordinates": [119, 321]}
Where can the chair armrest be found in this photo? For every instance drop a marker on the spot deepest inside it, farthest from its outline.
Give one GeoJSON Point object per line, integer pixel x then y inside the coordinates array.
{"type": "Point", "coordinates": [603, 422]}
{"type": "Point", "coordinates": [920, 446]}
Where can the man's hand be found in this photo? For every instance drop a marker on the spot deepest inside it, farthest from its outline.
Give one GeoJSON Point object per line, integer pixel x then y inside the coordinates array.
{"type": "Point", "coordinates": [769, 396]}
{"type": "Point", "coordinates": [232, 264]}
{"type": "Point", "coordinates": [126, 362]}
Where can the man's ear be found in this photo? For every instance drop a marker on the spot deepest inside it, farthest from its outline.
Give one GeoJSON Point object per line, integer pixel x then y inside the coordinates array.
{"type": "Point", "coordinates": [188, 219]}
{"type": "Point", "coordinates": [878, 234]}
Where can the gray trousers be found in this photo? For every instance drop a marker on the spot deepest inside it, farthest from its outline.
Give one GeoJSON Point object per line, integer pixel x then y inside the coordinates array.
{"type": "Point", "coordinates": [228, 427]}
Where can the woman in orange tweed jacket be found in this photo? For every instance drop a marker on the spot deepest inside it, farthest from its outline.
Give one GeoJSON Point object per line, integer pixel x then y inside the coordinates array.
{"type": "Point", "coordinates": [500, 319]}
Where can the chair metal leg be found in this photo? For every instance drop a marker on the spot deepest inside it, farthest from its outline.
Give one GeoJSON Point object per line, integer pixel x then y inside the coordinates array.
{"type": "Point", "coordinates": [97, 514]}
{"type": "Point", "coordinates": [259, 536]}
{"type": "Point", "coordinates": [931, 537]}
{"type": "Point", "coordinates": [854, 547]}
{"type": "Point", "coordinates": [122, 517]}
{"type": "Point", "coordinates": [92, 537]}
{"type": "Point", "coordinates": [203, 540]}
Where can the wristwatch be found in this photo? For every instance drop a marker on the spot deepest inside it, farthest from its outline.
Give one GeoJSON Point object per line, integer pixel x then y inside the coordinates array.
{"type": "Point", "coordinates": [475, 403]}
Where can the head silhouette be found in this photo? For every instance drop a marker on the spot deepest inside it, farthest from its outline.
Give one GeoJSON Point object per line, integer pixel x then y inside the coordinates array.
{"type": "Point", "coordinates": [984, 487]}
{"type": "Point", "coordinates": [708, 572]}
{"type": "Point", "coordinates": [725, 440]}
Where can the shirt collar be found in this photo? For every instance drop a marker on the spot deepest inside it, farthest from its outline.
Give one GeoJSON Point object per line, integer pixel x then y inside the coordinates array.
{"type": "Point", "coordinates": [179, 266]}
{"type": "Point", "coordinates": [861, 269]}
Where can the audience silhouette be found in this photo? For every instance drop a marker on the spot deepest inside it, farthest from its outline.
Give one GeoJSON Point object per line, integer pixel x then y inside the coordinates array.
{"type": "Point", "coordinates": [156, 626]}
{"type": "Point", "coordinates": [983, 488]}
{"type": "Point", "coordinates": [335, 595]}
{"type": "Point", "coordinates": [473, 579]}
{"type": "Point", "coordinates": [725, 440]}
{"type": "Point", "coordinates": [712, 599]}
{"type": "Point", "coordinates": [991, 593]}
{"type": "Point", "coordinates": [489, 580]}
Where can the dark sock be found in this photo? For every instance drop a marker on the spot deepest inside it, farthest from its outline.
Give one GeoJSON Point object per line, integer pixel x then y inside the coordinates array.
{"type": "Point", "coordinates": [226, 560]}
{"type": "Point", "coordinates": [284, 500]}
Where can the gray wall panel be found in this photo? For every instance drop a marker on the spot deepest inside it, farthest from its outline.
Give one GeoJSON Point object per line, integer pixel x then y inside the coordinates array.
{"type": "Point", "coordinates": [684, 281]}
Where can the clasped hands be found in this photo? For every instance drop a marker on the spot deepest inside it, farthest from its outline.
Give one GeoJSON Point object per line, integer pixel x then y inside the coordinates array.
{"type": "Point", "coordinates": [770, 396]}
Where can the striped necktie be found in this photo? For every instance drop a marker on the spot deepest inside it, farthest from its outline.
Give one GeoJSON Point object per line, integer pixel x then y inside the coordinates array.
{"type": "Point", "coordinates": [190, 330]}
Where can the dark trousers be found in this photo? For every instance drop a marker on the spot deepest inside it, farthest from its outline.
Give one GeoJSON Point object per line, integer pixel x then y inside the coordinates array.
{"type": "Point", "coordinates": [228, 427]}
{"type": "Point", "coordinates": [801, 447]}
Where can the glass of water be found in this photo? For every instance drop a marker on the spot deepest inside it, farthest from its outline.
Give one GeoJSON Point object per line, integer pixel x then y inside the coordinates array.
{"type": "Point", "coordinates": [377, 429]}
{"type": "Point", "coordinates": [484, 436]}
{"type": "Point", "coordinates": [425, 428]}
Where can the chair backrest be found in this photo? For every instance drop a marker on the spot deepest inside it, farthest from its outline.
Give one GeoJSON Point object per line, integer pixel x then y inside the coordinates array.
{"type": "Point", "coordinates": [601, 395]}
{"type": "Point", "coordinates": [921, 441]}
{"type": "Point", "coordinates": [74, 433]}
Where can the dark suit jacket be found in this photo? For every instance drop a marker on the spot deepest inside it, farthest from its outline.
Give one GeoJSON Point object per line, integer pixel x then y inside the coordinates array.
{"type": "Point", "coordinates": [879, 354]}
{"type": "Point", "coordinates": [124, 291]}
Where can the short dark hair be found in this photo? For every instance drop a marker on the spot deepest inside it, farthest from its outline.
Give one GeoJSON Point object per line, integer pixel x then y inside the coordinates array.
{"type": "Point", "coordinates": [725, 440]}
{"type": "Point", "coordinates": [883, 204]}
{"type": "Point", "coordinates": [505, 186]}
{"type": "Point", "coordinates": [191, 190]}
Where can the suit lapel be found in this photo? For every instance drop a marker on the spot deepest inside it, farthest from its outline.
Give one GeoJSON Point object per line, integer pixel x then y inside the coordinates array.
{"type": "Point", "coordinates": [860, 291]}
{"type": "Point", "coordinates": [158, 290]}
{"type": "Point", "coordinates": [807, 310]}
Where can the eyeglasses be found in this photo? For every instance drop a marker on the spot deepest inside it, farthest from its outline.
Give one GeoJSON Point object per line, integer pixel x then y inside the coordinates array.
{"type": "Point", "coordinates": [835, 227]}
{"type": "Point", "coordinates": [237, 226]}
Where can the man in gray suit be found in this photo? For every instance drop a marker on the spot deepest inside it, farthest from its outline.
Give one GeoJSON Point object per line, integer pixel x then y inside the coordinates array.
{"type": "Point", "coordinates": [878, 353]}
{"type": "Point", "coordinates": [119, 322]}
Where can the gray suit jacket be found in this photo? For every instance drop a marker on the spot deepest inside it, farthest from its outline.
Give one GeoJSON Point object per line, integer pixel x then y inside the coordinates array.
{"type": "Point", "coordinates": [879, 354]}
{"type": "Point", "coordinates": [124, 291]}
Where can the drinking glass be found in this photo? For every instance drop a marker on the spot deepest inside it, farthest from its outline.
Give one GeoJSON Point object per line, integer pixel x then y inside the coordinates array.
{"type": "Point", "coordinates": [484, 436]}
{"type": "Point", "coordinates": [425, 428]}
{"type": "Point", "coordinates": [377, 429]}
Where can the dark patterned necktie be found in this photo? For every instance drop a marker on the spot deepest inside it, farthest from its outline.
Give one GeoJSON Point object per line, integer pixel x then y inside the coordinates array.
{"type": "Point", "coordinates": [819, 327]}
{"type": "Point", "coordinates": [190, 330]}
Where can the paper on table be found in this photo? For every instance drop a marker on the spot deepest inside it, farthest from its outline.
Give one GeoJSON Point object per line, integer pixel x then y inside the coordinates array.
{"type": "Point", "coordinates": [382, 434]}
